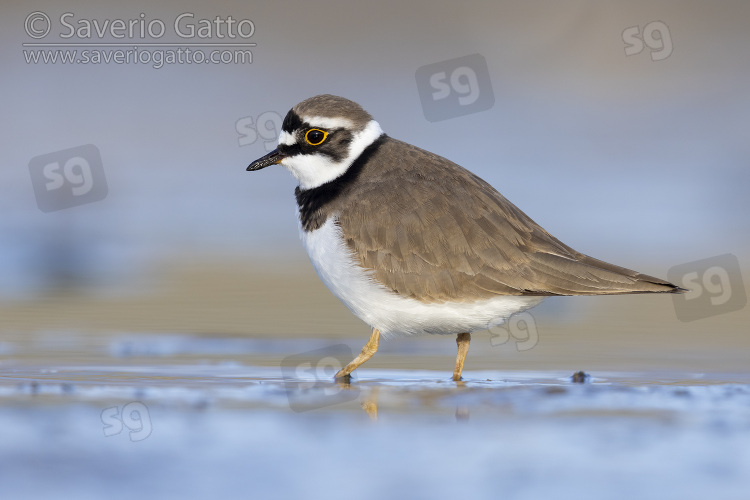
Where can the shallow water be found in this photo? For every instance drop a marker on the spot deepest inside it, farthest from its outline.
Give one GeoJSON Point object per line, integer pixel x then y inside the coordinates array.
{"type": "Point", "coordinates": [128, 416]}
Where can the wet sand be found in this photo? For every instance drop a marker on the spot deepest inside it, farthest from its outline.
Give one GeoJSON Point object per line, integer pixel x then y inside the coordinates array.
{"type": "Point", "coordinates": [227, 370]}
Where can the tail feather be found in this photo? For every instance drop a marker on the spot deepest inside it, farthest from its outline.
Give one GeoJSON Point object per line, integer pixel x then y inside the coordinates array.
{"type": "Point", "coordinates": [642, 283]}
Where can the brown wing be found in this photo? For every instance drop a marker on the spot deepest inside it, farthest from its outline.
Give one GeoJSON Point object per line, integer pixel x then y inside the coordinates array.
{"type": "Point", "coordinates": [432, 230]}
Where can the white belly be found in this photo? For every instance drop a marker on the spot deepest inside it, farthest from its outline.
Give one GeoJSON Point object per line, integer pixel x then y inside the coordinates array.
{"type": "Point", "coordinates": [385, 310]}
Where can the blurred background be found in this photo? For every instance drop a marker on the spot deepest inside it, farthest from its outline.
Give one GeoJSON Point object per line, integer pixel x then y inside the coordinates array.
{"type": "Point", "coordinates": [618, 126]}
{"type": "Point", "coordinates": [145, 276]}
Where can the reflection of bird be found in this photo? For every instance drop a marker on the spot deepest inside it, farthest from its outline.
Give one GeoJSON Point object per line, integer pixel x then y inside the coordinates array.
{"type": "Point", "coordinates": [412, 243]}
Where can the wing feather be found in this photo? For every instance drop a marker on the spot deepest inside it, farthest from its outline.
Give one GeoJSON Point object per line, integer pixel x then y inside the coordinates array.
{"type": "Point", "coordinates": [436, 232]}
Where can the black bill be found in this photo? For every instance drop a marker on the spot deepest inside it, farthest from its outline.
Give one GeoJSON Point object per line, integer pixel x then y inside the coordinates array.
{"type": "Point", "coordinates": [271, 158]}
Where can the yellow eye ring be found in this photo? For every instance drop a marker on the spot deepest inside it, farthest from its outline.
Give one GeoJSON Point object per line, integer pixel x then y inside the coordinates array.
{"type": "Point", "coordinates": [315, 136]}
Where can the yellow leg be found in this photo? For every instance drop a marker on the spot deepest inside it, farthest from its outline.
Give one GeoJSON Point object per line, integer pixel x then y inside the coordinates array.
{"type": "Point", "coordinates": [462, 341]}
{"type": "Point", "coordinates": [370, 348]}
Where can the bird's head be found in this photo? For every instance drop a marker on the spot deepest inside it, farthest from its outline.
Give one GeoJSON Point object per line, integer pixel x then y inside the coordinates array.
{"type": "Point", "coordinates": [320, 139]}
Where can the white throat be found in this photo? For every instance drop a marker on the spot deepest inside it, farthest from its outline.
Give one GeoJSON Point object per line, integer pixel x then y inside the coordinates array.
{"type": "Point", "coordinates": [312, 171]}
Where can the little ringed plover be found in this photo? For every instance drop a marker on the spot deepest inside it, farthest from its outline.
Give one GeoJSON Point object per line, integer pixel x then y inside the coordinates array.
{"type": "Point", "coordinates": [413, 243]}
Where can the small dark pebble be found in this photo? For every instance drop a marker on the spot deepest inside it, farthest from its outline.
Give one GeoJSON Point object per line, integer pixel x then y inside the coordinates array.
{"type": "Point", "coordinates": [580, 377]}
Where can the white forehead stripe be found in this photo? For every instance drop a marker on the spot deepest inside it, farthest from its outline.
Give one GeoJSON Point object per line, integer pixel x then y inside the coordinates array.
{"type": "Point", "coordinates": [327, 122]}
{"type": "Point", "coordinates": [286, 138]}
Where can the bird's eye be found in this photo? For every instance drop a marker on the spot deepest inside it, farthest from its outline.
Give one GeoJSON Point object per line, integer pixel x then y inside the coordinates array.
{"type": "Point", "coordinates": [315, 136]}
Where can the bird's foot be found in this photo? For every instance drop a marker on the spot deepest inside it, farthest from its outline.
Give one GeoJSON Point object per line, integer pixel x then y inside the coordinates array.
{"type": "Point", "coordinates": [345, 379]}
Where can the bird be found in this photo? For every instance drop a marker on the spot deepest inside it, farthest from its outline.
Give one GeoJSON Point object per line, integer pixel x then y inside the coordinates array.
{"type": "Point", "coordinates": [412, 243]}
